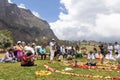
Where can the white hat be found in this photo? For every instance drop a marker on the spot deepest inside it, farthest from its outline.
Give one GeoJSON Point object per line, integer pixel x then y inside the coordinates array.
{"type": "Point", "coordinates": [53, 39]}
{"type": "Point", "coordinates": [18, 42]}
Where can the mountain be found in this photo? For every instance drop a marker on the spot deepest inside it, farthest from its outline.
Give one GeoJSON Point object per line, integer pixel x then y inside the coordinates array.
{"type": "Point", "coordinates": [22, 23]}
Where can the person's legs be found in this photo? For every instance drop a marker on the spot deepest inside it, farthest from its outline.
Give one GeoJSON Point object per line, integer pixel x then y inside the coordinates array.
{"type": "Point", "coordinates": [8, 60]}
{"type": "Point", "coordinates": [52, 55]}
{"type": "Point", "coordinates": [102, 59]}
{"type": "Point", "coordinates": [63, 55]}
{"type": "Point", "coordinates": [41, 56]}
{"type": "Point", "coordinates": [44, 56]}
{"type": "Point", "coordinates": [29, 64]}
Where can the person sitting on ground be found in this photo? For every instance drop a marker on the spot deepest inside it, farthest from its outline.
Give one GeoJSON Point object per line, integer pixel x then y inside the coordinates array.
{"type": "Point", "coordinates": [108, 56]}
{"type": "Point", "coordinates": [9, 56]}
{"type": "Point", "coordinates": [28, 59]}
{"type": "Point", "coordinates": [33, 50]}
{"type": "Point", "coordinates": [78, 53]}
{"type": "Point", "coordinates": [98, 55]}
{"type": "Point", "coordinates": [91, 55]}
{"type": "Point", "coordinates": [64, 51]}
{"type": "Point", "coordinates": [37, 48]}
{"type": "Point", "coordinates": [43, 52]}
{"type": "Point", "coordinates": [110, 51]}
{"type": "Point", "coordinates": [69, 55]}
{"type": "Point", "coordinates": [58, 50]}
{"type": "Point", "coordinates": [73, 51]}
{"type": "Point", "coordinates": [18, 51]}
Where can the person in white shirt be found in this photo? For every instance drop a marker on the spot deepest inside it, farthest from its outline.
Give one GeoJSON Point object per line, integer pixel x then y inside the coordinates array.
{"type": "Point", "coordinates": [29, 48]}
{"type": "Point", "coordinates": [91, 55]}
{"type": "Point", "coordinates": [110, 51]}
{"type": "Point", "coordinates": [33, 48]}
{"type": "Point", "coordinates": [37, 48]}
{"type": "Point", "coordinates": [52, 49]}
{"type": "Point", "coordinates": [117, 47]}
{"type": "Point", "coordinates": [63, 50]}
{"type": "Point", "coordinates": [9, 56]}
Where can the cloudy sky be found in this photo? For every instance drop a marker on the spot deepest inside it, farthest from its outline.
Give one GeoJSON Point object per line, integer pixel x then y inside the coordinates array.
{"type": "Point", "coordinates": [78, 19]}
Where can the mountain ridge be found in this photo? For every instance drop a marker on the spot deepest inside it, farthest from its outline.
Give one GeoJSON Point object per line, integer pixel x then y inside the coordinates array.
{"type": "Point", "coordinates": [22, 23]}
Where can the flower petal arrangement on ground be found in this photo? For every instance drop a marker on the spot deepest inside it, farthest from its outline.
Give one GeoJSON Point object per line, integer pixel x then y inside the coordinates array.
{"type": "Point", "coordinates": [82, 75]}
{"type": "Point", "coordinates": [43, 73]}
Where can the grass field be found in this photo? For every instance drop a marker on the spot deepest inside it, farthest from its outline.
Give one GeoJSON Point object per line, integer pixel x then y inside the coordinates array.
{"type": "Point", "coordinates": [13, 71]}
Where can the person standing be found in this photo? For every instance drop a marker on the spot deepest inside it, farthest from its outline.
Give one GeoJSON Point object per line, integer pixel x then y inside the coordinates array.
{"type": "Point", "coordinates": [102, 50]}
{"type": "Point", "coordinates": [52, 49]}
{"type": "Point", "coordinates": [91, 55]}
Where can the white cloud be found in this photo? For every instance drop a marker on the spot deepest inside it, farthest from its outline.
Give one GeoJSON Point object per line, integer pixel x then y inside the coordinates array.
{"type": "Point", "coordinates": [108, 25]}
{"type": "Point", "coordinates": [10, 1]}
{"type": "Point", "coordinates": [22, 6]}
{"type": "Point", "coordinates": [36, 14]}
{"type": "Point", "coordinates": [112, 5]}
{"type": "Point", "coordinates": [88, 19]}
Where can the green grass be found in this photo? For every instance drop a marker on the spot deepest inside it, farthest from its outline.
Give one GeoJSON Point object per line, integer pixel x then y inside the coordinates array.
{"type": "Point", "coordinates": [13, 71]}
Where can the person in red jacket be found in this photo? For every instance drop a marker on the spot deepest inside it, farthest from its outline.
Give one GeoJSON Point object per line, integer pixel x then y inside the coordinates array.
{"type": "Point", "coordinates": [28, 60]}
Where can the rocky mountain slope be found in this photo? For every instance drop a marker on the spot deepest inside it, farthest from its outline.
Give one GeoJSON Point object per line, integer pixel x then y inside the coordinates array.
{"type": "Point", "coordinates": [22, 23]}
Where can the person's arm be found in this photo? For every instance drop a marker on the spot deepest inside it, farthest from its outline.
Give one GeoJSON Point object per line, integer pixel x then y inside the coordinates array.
{"type": "Point", "coordinates": [31, 58]}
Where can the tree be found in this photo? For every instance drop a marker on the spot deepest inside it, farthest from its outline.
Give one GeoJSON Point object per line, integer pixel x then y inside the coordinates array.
{"type": "Point", "coordinates": [6, 39]}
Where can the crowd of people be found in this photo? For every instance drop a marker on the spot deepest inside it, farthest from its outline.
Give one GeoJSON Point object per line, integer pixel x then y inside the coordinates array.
{"type": "Point", "coordinates": [27, 53]}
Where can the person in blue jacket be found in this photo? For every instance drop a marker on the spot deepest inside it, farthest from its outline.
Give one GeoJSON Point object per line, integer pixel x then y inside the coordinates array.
{"type": "Point", "coordinates": [43, 52]}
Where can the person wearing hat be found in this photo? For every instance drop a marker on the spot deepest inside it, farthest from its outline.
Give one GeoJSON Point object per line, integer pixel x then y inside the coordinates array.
{"type": "Point", "coordinates": [18, 50]}
{"type": "Point", "coordinates": [52, 49]}
{"type": "Point", "coordinates": [18, 46]}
